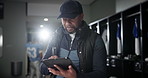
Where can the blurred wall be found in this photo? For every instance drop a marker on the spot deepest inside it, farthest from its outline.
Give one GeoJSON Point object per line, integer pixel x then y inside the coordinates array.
{"type": "Point", "coordinates": [124, 4]}
{"type": "Point", "coordinates": [14, 33]}
{"type": "Point", "coordinates": [101, 8]}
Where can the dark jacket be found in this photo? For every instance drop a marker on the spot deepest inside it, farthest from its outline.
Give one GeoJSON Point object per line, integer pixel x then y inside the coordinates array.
{"type": "Point", "coordinates": [90, 47]}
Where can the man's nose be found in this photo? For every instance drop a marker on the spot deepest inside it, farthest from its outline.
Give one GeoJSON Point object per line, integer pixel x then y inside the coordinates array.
{"type": "Point", "coordinates": [67, 22]}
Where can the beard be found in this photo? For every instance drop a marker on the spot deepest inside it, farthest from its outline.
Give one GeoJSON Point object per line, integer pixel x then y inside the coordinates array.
{"type": "Point", "coordinates": [70, 30]}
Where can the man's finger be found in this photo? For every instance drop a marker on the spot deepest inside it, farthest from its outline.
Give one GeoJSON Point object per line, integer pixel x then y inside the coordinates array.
{"type": "Point", "coordinates": [53, 57]}
{"type": "Point", "coordinates": [59, 68]}
{"type": "Point", "coordinates": [50, 69]}
{"type": "Point", "coordinates": [71, 68]}
{"type": "Point", "coordinates": [55, 72]}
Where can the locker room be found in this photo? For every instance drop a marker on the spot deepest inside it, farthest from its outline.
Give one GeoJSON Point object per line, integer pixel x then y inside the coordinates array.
{"type": "Point", "coordinates": [122, 25]}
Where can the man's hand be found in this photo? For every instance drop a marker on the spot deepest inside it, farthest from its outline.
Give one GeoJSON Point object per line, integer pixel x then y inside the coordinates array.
{"type": "Point", "coordinates": [70, 73]}
{"type": "Point", "coordinates": [53, 57]}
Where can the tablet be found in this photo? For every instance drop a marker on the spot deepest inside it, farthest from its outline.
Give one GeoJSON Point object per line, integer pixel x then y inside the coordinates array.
{"type": "Point", "coordinates": [61, 62]}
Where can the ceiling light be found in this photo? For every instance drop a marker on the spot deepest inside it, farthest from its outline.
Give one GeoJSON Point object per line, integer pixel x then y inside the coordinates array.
{"type": "Point", "coordinates": [41, 26]}
{"type": "Point", "coordinates": [45, 19]}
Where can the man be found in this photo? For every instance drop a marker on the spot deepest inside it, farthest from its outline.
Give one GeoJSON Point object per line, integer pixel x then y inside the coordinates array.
{"type": "Point", "coordinates": [34, 52]}
{"type": "Point", "coordinates": [75, 40]}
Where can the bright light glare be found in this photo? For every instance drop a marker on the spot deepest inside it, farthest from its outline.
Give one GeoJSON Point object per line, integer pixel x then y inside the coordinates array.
{"type": "Point", "coordinates": [45, 19]}
{"type": "Point", "coordinates": [1, 40]}
{"type": "Point", "coordinates": [44, 34]}
{"type": "Point", "coordinates": [41, 26]}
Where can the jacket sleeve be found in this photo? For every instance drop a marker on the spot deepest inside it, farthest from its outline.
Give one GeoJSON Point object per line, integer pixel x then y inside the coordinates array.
{"type": "Point", "coordinates": [99, 61]}
{"type": "Point", "coordinates": [43, 67]}
{"type": "Point", "coordinates": [57, 35]}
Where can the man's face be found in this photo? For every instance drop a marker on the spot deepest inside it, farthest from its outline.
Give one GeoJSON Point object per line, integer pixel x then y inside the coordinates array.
{"type": "Point", "coordinates": [70, 25]}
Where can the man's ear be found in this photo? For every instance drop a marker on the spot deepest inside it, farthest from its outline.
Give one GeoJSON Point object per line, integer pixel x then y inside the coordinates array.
{"type": "Point", "coordinates": [81, 16]}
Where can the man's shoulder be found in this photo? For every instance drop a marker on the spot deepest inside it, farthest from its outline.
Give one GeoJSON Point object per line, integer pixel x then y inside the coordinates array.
{"type": "Point", "coordinates": [59, 30]}
{"type": "Point", "coordinates": [93, 33]}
